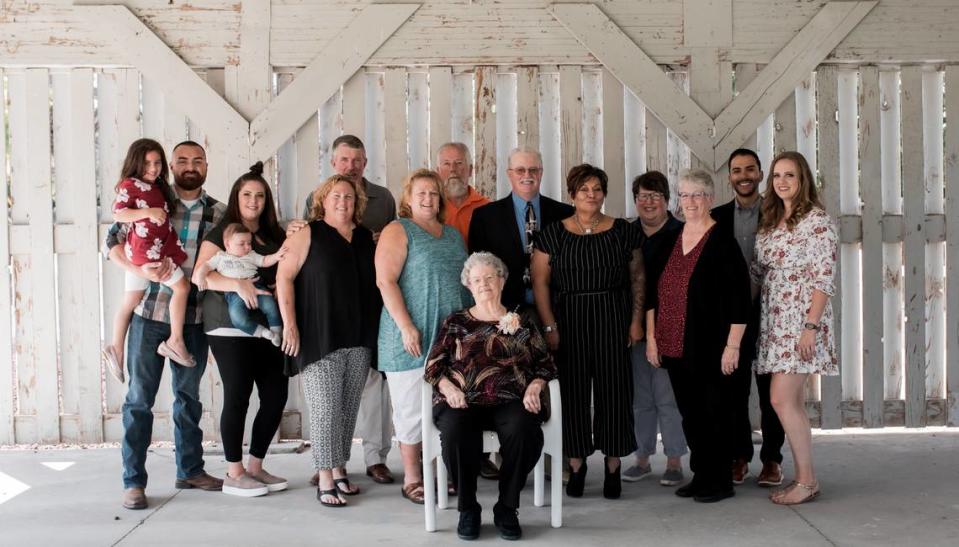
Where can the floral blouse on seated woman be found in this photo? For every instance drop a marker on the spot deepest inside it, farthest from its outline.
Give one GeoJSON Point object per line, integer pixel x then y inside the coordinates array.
{"type": "Point", "coordinates": [491, 362]}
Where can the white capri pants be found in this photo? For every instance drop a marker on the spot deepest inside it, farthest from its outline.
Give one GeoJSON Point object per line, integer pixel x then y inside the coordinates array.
{"type": "Point", "coordinates": [406, 396]}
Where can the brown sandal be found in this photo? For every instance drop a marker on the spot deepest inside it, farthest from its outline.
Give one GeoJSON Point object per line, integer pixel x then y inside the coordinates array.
{"type": "Point", "coordinates": [810, 492]}
{"type": "Point", "coordinates": [414, 492]}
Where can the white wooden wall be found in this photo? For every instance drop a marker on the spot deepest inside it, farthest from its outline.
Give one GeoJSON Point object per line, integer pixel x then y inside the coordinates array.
{"type": "Point", "coordinates": [889, 199]}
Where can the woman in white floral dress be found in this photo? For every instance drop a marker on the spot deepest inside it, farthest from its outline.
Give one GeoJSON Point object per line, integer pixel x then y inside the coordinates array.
{"type": "Point", "coordinates": [795, 262]}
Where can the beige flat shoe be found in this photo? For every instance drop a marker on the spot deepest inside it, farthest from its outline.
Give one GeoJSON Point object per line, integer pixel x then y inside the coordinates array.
{"type": "Point", "coordinates": [182, 360]}
{"type": "Point", "coordinates": [112, 362]}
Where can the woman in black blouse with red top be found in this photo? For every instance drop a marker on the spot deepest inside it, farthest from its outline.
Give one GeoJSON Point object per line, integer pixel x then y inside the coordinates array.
{"type": "Point", "coordinates": [697, 307]}
{"type": "Point", "coordinates": [489, 368]}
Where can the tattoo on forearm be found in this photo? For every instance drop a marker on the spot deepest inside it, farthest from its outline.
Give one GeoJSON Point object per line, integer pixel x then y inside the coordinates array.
{"type": "Point", "coordinates": [637, 272]}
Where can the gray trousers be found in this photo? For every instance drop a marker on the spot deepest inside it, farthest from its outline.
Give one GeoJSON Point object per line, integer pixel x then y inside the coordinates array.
{"type": "Point", "coordinates": [654, 405]}
{"type": "Point", "coordinates": [332, 387]}
{"type": "Point", "coordinates": [374, 424]}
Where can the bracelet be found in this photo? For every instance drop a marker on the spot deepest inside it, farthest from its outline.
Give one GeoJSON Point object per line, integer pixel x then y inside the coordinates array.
{"type": "Point", "coordinates": [549, 328]}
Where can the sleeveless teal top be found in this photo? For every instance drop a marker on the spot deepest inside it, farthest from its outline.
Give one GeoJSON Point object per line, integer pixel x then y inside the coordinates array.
{"type": "Point", "coordinates": [431, 287]}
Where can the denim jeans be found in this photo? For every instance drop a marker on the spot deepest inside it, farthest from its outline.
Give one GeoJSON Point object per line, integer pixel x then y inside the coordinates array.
{"type": "Point", "coordinates": [654, 405]}
{"type": "Point", "coordinates": [244, 318]}
{"type": "Point", "coordinates": [145, 368]}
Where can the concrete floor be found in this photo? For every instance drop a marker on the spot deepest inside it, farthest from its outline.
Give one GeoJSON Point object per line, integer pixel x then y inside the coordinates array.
{"type": "Point", "coordinates": [891, 488]}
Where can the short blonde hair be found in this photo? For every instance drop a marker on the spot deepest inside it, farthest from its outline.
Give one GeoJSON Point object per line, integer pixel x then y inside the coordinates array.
{"type": "Point", "coordinates": [359, 207]}
{"type": "Point", "coordinates": [700, 177]}
{"type": "Point", "coordinates": [404, 210]}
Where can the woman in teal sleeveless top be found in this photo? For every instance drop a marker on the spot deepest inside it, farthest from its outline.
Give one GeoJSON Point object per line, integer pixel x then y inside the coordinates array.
{"type": "Point", "coordinates": [418, 266]}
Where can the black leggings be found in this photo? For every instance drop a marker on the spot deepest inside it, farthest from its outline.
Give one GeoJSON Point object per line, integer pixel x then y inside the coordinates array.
{"type": "Point", "coordinates": [244, 362]}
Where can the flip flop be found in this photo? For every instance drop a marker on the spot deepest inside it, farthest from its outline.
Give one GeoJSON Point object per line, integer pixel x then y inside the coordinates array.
{"type": "Point", "coordinates": [168, 352]}
{"type": "Point", "coordinates": [343, 485]}
{"type": "Point", "coordinates": [409, 492]}
{"type": "Point", "coordinates": [331, 492]}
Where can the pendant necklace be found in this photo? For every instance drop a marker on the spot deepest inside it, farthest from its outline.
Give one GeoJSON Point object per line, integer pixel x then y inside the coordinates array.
{"type": "Point", "coordinates": [592, 225]}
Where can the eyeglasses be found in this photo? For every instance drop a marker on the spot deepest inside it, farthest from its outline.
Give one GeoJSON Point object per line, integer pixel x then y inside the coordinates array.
{"type": "Point", "coordinates": [649, 196]}
{"type": "Point", "coordinates": [522, 171]}
{"type": "Point", "coordinates": [692, 195]}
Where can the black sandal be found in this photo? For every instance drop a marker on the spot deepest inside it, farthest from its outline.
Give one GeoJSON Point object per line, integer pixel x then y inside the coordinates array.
{"type": "Point", "coordinates": [331, 492]}
{"type": "Point", "coordinates": [343, 486]}
{"type": "Point", "coordinates": [612, 486]}
{"type": "Point", "coordinates": [577, 481]}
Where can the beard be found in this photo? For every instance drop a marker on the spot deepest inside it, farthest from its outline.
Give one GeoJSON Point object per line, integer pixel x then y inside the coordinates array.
{"type": "Point", "coordinates": [189, 180]}
{"type": "Point", "coordinates": [456, 188]}
{"type": "Point", "coordinates": [742, 193]}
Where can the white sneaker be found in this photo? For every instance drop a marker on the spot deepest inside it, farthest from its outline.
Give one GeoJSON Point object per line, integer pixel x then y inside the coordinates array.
{"type": "Point", "coordinates": [245, 486]}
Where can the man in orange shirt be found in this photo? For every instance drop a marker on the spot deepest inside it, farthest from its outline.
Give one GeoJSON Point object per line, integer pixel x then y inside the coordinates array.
{"type": "Point", "coordinates": [454, 166]}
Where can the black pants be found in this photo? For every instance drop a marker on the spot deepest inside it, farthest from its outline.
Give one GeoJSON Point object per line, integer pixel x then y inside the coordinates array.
{"type": "Point", "coordinates": [244, 362]}
{"type": "Point", "coordinates": [704, 397]}
{"type": "Point", "coordinates": [773, 434]}
{"type": "Point", "coordinates": [461, 433]}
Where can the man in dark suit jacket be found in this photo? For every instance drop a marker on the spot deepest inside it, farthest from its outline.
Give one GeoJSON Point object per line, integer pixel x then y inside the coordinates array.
{"type": "Point", "coordinates": [740, 218]}
{"type": "Point", "coordinates": [500, 227]}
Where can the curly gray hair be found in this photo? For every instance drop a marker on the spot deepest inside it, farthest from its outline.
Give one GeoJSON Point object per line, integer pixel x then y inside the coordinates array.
{"type": "Point", "coordinates": [482, 259]}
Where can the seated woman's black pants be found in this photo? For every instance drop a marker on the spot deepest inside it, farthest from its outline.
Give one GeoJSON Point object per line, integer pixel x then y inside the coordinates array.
{"type": "Point", "coordinates": [706, 401]}
{"type": "Point", "coordinates": [461, 434]}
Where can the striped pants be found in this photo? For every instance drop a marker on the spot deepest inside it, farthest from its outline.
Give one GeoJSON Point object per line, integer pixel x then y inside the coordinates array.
{"type": "Point", "coordinates": [332, 387]}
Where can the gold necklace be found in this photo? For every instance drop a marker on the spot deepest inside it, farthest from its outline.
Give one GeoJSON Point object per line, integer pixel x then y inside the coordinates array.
{"type": "Point", "coordinates": [592, 225]}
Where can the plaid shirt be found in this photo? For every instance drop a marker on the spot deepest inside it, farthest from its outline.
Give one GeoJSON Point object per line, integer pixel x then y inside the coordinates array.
{"type": "Point", "coordinates": [191, 224]}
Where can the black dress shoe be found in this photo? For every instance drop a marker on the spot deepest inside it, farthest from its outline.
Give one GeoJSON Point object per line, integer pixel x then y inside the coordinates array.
{"type": "Point", "coordinates": [507, 522]}
{"type": "Point", "coordinates": [687, 490]}
{"type": "Point", "coordinates": [612, 486]}
{"type": "Point", "coordinates": [488, 470]}
{"type": "Point", "coordinates": [577, 481]}
{"type": "Point", "coordinates": [712, 496]}
{"type": "Point", "coordinates": [469, 525]}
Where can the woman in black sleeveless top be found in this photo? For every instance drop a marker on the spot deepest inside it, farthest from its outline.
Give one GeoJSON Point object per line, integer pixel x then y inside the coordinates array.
{"type": "Point", "coordinates": [326, 286]}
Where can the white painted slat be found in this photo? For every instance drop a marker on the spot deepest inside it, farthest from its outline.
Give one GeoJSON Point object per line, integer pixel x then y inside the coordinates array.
{"type": "Point", "coordinates": [506, 134]}
{"type": "Point", "coordinates": [440, 106]}
{"type": "Point", "coordinates": [484, 119]}
{"type": "Point", "coordinates": [657, 155]}
{"type": "Point", "coordinates": [376, 129]}
{"type": "Point", "coordinates": [527, 106]}
{"type": "Point", "coordinates": [872, 272]}
{"type": "Point", "coordinates": [914, 242]}
{"type": "Point", "coordinates": [354, 105]}
{"type": "Point", "coordinates": [765, 134]}
{"type": "Point", "coordinates": [806, 120]}
{"type": "Point", "coordinates": [196, 133]}
{"type": "Point", "coordinates": [830, 387]}
{"type": "Point", "coordinates": [952, 247]}
{"type": "Point", "coordinates": [327, 125]}
{"type": "Point", "coordinates": [224, 165]}
{"type": "Point", "coordinates": [571, 112]}
{"type": "Point", "coordinates": [463, 109]}
{"type": "Point", "coordinates": [850, 274]}
{"type": "Point", "coordinates": [614, 153]}
{"type": "Point", "coordinates": [286, 204]}
{"type": "Point", "coordinates": [79, 295]}
{"type": "Point", "coordinates": [419, 122]}
{"type": "Point", "coordinates": [7, 387]}
{"type": "Point", "coordinates": [932, 115]}
{"type": "Point", "coordinates": [745, 74]}
{"type": "Point", "coordinates": [253, 72]}
{"type": "Point", "coordinates": [592, 118]}
{"type": "Point", "coordinates": [785, 138]}
{"type": "Point", "coordinates": [677, 152]}
{"type": "Point", "coordinates": [634, 113]}
{"type": "Point", "coordinates": [550, 134]}
{"type": "Point", "coordinates": [397, 151]}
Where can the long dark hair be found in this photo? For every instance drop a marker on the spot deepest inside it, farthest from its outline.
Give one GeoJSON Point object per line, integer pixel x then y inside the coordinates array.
{"type": "Point", "coordinates": [269, 223]}
{"type": "Point", "coordinates": [773, 210]}
{"type": "Point", "coordinates": [135, 164]}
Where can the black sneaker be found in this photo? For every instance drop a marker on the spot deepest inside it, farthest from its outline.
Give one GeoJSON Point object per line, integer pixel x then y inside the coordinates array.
{"type": "Point", "coordinates": [507, 522]}
{"type": "Point", "coordinates": [687, 490]}
{"type": "Point", "coordinates": [469, 526]}
{"type": "Point", "coordinates": [488, 470]}
{"type": "Point", "coordinates": [713, 496]}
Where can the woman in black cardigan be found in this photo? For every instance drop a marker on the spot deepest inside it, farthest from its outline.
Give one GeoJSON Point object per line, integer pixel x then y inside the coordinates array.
{"type": "Point", "coordinates": [697, 308]}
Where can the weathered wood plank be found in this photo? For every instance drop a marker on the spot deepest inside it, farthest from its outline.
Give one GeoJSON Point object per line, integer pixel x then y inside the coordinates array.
{"type": "Point", "coordinates": [527, 106]}
{"type": "Point", "coordinates": [485, 131]}
{"type": "Point", "coordinates": [745, 74]}
{"type": "Point", "coordinates": [806, 120]}
{"type": "Point", "coordinates": [592, 117]}
{"type": "Point", "coordinates": [440, 109]}
{"type": "Point", "coordinates": [614, 152]}
{"type": "Point", "coordinates": [417, 109]}
{"type": "Point", "coordinates": [872, 271]}
{"type": "Point", "coordinates": [827, 93]}
{"type": "Point", "coordinates": [932, 115]}
{"type": "Point", "coordinates": [254, 75]}
{"type": "Point", "coordinates": [785, 71]}
{"type": "Point", "coordinates": [952, 248]}
{"type": "Point", "coordinates": [914, 245]}
{"type": "Point", "coordinates": [224, 164]}
{"type": "Point", "coordinates": [550, 132]}
{"type": "Point", "coordinates": [354, 105]}
{"type": "Point", "coordinates": [7, 387]}
{"type": "Point", "coordinates": [849, 274]}
{"type": "Point", "coordinates": [376, 128]}
{"type": "Point", "coordinates": [656, 147]}
{"type": "Point", "coordinates": [677, 151]}
{"type": "Point", "coordinates": [397, 157]}
{"type": "Point", "coordinates": [506, 123]}
{"type": "Point", "coordinates": [286, 204]}
{"type": "Point", "coordinates": [634, 113]}
{"type": "Point", "coordinates": [571, 122]}
{"type": "Point", "coordinates": [785, 137]}
{"type": "Point", "coordinates": [463, 107]}
{"type": "Point", "coordinates": [329, 119]}
{"type": "Point", "coordinates": [343, 57]}
{"type": "Point", "coordinates": [708, 23]}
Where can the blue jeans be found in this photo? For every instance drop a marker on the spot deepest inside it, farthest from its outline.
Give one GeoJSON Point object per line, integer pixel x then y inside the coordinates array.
{"type": "Point", "coordinates": [244, 318]}
{"type": "Point", "coordinates": [655, 405]}
{"type": "Point", "coordinates": [145, 368]}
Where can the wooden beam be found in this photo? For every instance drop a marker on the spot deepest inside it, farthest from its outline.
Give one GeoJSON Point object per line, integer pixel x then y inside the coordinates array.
{"type": "Point", "coordinates": [253, 74]}
{"type": "Point", "coordinates": [440, 108]}
{"type": "Point", "coordinates": [346, 53]}
{"type": "Point", "coordinates": [7, 386]}
{"type": "Point", "coordinates": [621, 56]}
{"type": "Point", "coordinates": [614, 152]}
{"type": "Point", "coordinates": [485, 132]}
{"type": "Point", "coordinates": [571, 122]}
{"type": "Point", "coordinates": [527, 106]}
{"type": "Point", "coordinates": [952, 247]}
{"type": "Point", "coordinates": [788, 68]}
{"type": "Point", "coordinates": [394, 105]}
{"type": "Point", "coordinates": [708, 23]}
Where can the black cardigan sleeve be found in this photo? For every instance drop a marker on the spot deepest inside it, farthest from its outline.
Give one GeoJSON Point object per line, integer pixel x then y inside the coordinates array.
{"type": "Point", "coordinates": [656, 265]}
{"type": "Point", "coordinates": [735, 300]}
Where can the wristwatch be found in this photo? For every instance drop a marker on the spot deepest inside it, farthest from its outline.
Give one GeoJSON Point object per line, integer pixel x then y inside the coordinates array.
{"type": "Point", "coordinates": [811, 326]}
{"type": "Point", "coordinates": [549, 328]}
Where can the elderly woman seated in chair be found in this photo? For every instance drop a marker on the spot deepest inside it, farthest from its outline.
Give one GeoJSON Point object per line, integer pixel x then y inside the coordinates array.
{"type": "Point", "coordinates": [489, 368]}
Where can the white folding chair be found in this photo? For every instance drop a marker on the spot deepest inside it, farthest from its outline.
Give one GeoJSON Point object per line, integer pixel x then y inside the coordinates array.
{"type": "Point", "coordinates": [552, 445]}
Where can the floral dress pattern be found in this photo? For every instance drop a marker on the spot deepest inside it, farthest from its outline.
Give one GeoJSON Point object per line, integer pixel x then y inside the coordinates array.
{"type": "Point", "coordinates": [148, 241]}
{"type": "Point", "coordinates": [790, 265]}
